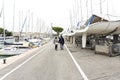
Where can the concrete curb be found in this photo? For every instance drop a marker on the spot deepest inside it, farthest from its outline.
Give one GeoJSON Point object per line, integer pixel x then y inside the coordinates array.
{"type": "Point", "coordinates": [12, 59]}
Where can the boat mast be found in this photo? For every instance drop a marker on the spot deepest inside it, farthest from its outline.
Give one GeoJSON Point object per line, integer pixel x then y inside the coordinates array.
{"type": "Point", "coordinates": [19, 25]}
{"type": "Point", "coordinates": [81, 11]}
{"type": "Point", "coordinates": [39, 27]}
{"type": "Point", "coordinates": [1, 12]}
{"type": "Point", "coordinates": [13, 14]}
{"type": "Point", "coordinates": [87, 8]}
{"type": "Point", "coordinates": [3, 21]}
{"type": "Point", "coordinates": [100, 6]}
{"type": "Point", "coordinates": [32, 24]}
{"type": "Point", "coordinates": [51, 29]}
{"type": "Point", "coordinates": [71, 24]}
{"type": "Point", "coordinates": [91, 7]}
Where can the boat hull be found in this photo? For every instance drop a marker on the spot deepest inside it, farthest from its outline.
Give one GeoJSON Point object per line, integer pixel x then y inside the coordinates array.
{"type": "Point", "coordinates": [112, 27]}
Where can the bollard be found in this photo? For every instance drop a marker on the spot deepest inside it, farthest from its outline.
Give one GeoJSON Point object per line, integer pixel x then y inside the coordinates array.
{"type": "Point", "coordinates": [4, 61]}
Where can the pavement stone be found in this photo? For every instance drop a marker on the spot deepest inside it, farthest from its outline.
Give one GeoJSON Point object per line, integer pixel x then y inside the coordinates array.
{"type": "Point", "coordinates": [96, 66]}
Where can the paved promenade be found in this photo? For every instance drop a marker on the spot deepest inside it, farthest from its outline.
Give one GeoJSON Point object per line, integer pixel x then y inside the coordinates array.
{"type": "Point", "coordinates": [45, 63]}
{"type": "Point", "coordinates": [96, 66]}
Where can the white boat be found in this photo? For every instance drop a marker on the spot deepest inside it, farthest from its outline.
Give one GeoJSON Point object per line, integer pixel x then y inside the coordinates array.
{"type": "Point", "coordinates": [8, 51]}
{"type": "Point", "coordinates": [9, 39]}
{"type": "Point", "coordinates": [97, 25]}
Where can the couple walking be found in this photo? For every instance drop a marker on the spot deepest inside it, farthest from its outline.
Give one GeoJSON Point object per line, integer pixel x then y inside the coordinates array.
{"type": "Point", "coordinates": [59, 41]}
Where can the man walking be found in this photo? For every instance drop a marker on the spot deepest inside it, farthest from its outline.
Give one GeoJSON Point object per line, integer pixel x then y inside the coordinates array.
{"type": "Point", "coordinates": [61, 41]}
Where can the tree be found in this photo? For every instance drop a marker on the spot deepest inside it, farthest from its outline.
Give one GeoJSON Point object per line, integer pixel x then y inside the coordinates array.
{"type": "Point", "coordinates": [57, 30]}
{"type": "Point", "coordinates": [7, 33]}
{"type": "Point", "coordinates": [1, 30]}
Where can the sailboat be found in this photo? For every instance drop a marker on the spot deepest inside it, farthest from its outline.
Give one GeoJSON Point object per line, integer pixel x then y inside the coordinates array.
{"type": "Point", "coordinates": [9, 49]}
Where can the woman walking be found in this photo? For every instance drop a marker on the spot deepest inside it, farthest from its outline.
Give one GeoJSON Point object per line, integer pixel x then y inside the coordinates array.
{"type": "Point", "coordinates": [56, 43]}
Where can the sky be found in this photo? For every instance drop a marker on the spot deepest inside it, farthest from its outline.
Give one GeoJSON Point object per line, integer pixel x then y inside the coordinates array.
{"type": "Point", "coordinates": [41, 14]}
{"type": "Point", "coordinates": [110, 7]}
